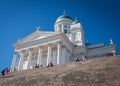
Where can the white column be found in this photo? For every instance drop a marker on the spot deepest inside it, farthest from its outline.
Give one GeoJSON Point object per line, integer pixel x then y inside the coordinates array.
{"type": "Point", "coordinates": [49, 54]}
{"type": "Point", "coordinates": [63, 28]}
{"type": "Point", "coordinates": [29, 58]}
{"type": "Point", "coordinates": [39, 56]}
{"type": "Point", "coordinates": [58, 52]}
{"type": "Point", "coordinates": [21, 61]}
{"type": "Point", "coordinates": [13, 62]}
{"type": "Point", "coordinates": [73, 37]}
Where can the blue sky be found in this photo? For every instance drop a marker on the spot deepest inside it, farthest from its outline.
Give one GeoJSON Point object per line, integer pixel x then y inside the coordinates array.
{"type": "Point", "coordinates": [19, 18]}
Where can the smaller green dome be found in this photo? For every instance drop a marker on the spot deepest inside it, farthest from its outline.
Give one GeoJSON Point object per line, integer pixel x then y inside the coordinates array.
{"type": "Point", "coordinates": [76, 21]}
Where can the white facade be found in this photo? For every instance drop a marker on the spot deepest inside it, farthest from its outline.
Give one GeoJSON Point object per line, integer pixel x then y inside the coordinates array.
{"type": "Point", "coordinates": [59, 47]}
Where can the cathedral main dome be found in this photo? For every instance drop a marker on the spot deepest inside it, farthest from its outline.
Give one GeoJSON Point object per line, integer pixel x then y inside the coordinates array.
{"type": "Point", "coordinates": [64, 17]}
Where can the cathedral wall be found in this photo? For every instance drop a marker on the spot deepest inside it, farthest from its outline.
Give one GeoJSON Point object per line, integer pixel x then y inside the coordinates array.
{"type": "Point", "coordinates": [63, 55]}
{"type": "Point", "coordinates": [54, 57]}
{"type": "Point", "coordinates": [67, 45]}
{"type": "Point", "coordinates": [100, 51]}
{"type": "Point", "coordinates": [67, 59]}
{"type": "Point", "coordinates": [81, 49]}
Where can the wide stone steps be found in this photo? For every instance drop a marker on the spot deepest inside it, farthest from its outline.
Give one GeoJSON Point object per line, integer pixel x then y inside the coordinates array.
{"type": "Point", "coordinates": [93, 72]}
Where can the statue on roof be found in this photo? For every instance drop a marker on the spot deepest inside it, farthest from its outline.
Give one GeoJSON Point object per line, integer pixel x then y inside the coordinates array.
{"type": "Point", "coordinates": [111, 42]}
{"type": "Point", "coordinates": [38, 28]}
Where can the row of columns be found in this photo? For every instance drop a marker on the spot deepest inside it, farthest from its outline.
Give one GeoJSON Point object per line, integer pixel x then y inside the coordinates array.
{"type": "Point", "coordinates": [38, 59]}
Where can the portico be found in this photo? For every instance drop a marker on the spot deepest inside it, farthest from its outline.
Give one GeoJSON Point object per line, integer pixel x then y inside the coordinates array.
{"type": "Point", "coordinates": [40, 55]}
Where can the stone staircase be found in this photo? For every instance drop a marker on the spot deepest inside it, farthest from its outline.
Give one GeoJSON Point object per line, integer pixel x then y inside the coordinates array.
{"type": "Point", "coordinates": [93, 72]}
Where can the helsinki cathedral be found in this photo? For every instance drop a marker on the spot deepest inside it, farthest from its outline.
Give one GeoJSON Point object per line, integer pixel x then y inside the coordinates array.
{"type": "Point", "coordinates": [63, 45]}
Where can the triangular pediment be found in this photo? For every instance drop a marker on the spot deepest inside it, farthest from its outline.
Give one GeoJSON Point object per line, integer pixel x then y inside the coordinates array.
{"type": "Point", "coordinates": [36, 36]}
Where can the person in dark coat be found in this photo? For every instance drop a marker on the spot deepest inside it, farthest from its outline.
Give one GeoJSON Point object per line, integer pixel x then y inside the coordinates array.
{"type": "Point", "coordinates": [51, 64]}
{"type": "Point", "coordinates": [77, 60]}
{"type": "Point", "coordinates": [3, 72]}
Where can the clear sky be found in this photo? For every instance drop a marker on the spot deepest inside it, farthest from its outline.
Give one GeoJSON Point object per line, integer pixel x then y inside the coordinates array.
{"type": "Point", "coordinates": [19, 18]}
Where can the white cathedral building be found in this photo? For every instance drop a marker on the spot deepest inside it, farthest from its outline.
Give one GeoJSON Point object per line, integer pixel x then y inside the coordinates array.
{"type": "Point", "coordinates": [62, 46]}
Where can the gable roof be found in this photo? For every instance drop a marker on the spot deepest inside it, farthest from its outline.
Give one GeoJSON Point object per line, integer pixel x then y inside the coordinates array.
{"type": "Point", "coordinates": [37, 35]}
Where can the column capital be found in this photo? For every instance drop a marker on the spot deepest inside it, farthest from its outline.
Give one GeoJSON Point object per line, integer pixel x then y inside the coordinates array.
{"type": "Point", "coordinates": [15, 52]}
{"type": "Point", "coordinates": [40, 46]}
{"type": "Point", "coordinates": [59, 42]}
{"type": "Point", "coordinates": [22, 51]}
{"type": "Point", "coordinates": [49, 44]}
{"type": "Point", "coordinates": [30, 49]}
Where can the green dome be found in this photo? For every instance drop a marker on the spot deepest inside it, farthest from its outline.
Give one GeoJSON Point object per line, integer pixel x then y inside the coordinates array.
{"type": "Point", "coordinates": [75, 22]}
{"type": "Point", "coordinates": [64, 16]}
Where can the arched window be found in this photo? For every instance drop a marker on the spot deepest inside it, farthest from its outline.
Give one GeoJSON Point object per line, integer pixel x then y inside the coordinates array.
{"type": "Point", "coordinates": [65, 31]}
{"type": "Point", "coordinates": [65, 26]}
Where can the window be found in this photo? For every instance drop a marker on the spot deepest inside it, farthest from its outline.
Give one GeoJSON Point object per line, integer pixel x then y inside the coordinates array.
{"type": "Point", "coordinates": [65, 31]}
{"type": "Point", "coordinates": [65, 26]}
